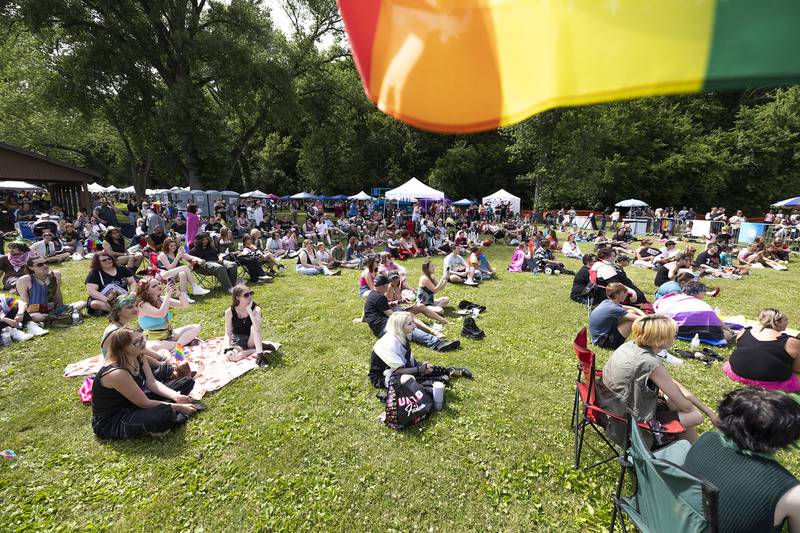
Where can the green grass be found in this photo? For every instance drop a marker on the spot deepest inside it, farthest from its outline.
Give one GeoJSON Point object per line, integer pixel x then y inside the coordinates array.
{"type": "Point", "coordinates": [297, 445]}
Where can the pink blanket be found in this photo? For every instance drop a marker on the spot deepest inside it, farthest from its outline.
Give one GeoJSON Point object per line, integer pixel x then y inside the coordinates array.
{"type": "Point", "coordinates": [517, 261]}
{"type": "Point", "coordinates": [213, 370]}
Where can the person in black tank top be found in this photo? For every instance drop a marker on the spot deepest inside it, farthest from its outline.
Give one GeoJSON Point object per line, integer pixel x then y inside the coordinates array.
{"type": "Point", "coordinates": [120, 408]}
{"type": "Point", "coordinates": [756, 493]}
{"type": "Point", "coordinates": [243, 322]}
{"type": "Point", "coordinates": [770, 357]}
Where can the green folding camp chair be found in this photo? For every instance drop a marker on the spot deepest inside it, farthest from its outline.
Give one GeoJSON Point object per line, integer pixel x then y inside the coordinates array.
{"type": "Point", "coordinates": [667, 497]}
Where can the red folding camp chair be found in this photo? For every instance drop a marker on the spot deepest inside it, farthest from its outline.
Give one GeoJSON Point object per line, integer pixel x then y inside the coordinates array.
{"type": "Point", "coordinates": [594, 415]}
{"type": "Point", "coordinates": [150, 265]}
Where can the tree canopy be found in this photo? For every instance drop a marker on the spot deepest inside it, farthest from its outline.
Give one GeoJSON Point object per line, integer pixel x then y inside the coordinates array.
{"type": "Point", "coordinates": [211, 94]}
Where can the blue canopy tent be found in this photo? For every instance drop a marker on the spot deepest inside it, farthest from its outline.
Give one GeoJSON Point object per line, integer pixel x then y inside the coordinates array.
{"type": "Point", "coordinates": [791, 202]}
{"type": "Point", "coordinates": [339, 197]}
{"type": "Point", "coordinates": [464, 202]}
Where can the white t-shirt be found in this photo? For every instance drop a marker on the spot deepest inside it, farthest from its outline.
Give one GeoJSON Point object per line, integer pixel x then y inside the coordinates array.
{"type": "Point", "coordinates": [454, 263]}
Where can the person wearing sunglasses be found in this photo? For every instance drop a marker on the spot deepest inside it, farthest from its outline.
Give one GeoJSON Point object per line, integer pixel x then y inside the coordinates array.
{"type": "Point", "coordinates": [155, 314]}
{"type": "Point", "coordinates": [40, 295]}
{"type": "Point", "coordinates": [120, 407]}
{"type": "Point", "coordinates": [243, 321]}
{"type": "Point", "coordinates": [105, 282]}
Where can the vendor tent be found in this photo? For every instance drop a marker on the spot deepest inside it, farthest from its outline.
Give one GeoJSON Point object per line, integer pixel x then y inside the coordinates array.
{"type": "Point", "coordinates": [95, 188]}
{"type": "Point", "coordinates": [464, 202]}
{"type": "Point", "coordinates": [255, 194]}
{"type": "Point", "coordinates": [503, 196]}
{"type": "Point", "coordinates": [413, 190]}
{"type": "Point", "coordinates": [130, 189]}
{"type": "Point", "coordinates": [360, 196]}
{"type": "Point", "coordinates": [13, 185]}
{"type": "Point", "coordinates": [303, 196]}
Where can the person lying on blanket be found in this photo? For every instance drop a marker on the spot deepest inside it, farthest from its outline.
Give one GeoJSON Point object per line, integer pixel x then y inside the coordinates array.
{"type": "Point", "coordinates": [120, 407]}
{"type": "Point", "coordinates": [391, 355]}
{"type": "Point", "coordinates": [155, 314]}
{"type": "Point", "coordinates": [243, 321]}
{"type": "Point", "coordinates": [122, 314]}
{"type": "Point", "coordinates": [694, 316]}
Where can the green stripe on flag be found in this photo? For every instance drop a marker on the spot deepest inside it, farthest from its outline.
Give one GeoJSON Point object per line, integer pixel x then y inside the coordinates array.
{"type": "Point", "coordinates": [756, 43]}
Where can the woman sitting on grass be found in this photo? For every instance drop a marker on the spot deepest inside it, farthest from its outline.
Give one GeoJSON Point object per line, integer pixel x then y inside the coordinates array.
{"type": "Point", "coordinates": [169, 261]}
{"type": "Point", "coordinates": [105, 282]}
{"type": "Point", "coordinates": [646, 255]}
{"type": "Point", "coordinates": [122, 314]}
{"type": "Point", "coordinates": [765, 356]}
{"type": "Point", "coordinates": [366, 282]}
{"type": "Point", "coordinates": [251, 245]}
{"type": "Point", "coordinates": [408, 247]}
{"type": "Point", "coordinates": [155, 314]}
{"type": "Point", "coordinates": [752, 257]}
{"type": "Point", "coordinates": [308, 264]}
{"type": "Point", "coordinates": [640, 384]}
{"type": "Point", "coordinates": [120, 407]}
{"type": "Point", "coordinates": [571, 248]}
{"type": "Point", "coordinates": [674, 285]}
{"type": "Point", "coordinates": [243, 321]}
{"type": "Point", "coordinates": [428, 287]}
{"type": "Point", "coordinates": [14, 265]}
{"type": "Point", "coordinates": [391, 355]}
{"type": "Point", "coordinates": [400, 302]}
{"type": "Point", "coordinates": [274, 245]}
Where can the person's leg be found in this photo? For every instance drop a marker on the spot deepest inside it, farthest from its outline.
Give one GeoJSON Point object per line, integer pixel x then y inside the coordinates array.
{"type": "Point", "coordinates": [428, 312]}
{"type": "Point", "coordinates": [420, 337]}
{"type": "Point", "coordinates": [186, 334]}
{"type": "Point", "coordinates": [231, 269]}
{"type": "Point", "coordinates": [137, 422]}
{"type": "Point", "coordinates": [255, 341]}
{"type": "Point", "coordinates": [97, 305]}
{"type": "Point", "coordinates": [219, 272]}
{"type": "Point", "coordinates": [624, 328]}
{"type": "Point", "coordinates": [441, 303]}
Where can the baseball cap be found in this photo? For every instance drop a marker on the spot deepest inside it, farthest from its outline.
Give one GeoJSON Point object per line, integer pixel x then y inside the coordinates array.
{"type": "Point", "coordinates": [381, 280]}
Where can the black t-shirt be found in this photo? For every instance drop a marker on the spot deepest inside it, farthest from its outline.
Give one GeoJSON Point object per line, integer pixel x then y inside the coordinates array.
{"type": "Point", "coordinates": [103, 279]}
{"type": "Point", "coordinates": [375, 309]}
{"type": "Point", "coordinates": [117, 246]}
{"type": "Point", "coordinates": [209, 253]}
{"type": "Point", "coordinates": [158, 240]}
{"type": "Point", "coordinates": [213, 227]}
{"type": "Point", "coordinates": [178, 227]}
{"type": "Point", "coordinates": [579, 283]}
{"type": "Point", "coordinates": [662, 275]}
{"type": "Point", "coordinates": [705, 258]}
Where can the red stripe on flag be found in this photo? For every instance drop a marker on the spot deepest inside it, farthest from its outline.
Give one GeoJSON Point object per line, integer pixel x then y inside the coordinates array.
{"type": "Point", "coordinates": [361, 21]}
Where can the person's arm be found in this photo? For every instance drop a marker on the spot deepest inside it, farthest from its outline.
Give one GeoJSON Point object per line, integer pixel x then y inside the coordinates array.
{"type": "Point", "coordinates": [58, 297]}
{"type": "Point", "coordinates": [194, 259]}
{"type": "Point", "coordinates": [23, 288]}
{"type": "Point", "coordinates": [148, 309]}
{"type": "Point", "coordinates": [227, 341]}
{"type": "Point", "coordinates": [94, 291]}
{"type": "Point", "coordinates": [122, 381]}
{"type": "Point", "coordinates": [788, 507]}
{"type": "Point", "coordinates": [108, 250]}
{"type": "Point", "coordinates": [166, 263]}
{"type": "Point", "coordinates": [682, 398]}
{"type": "Point", "coordinates": [255, 316]}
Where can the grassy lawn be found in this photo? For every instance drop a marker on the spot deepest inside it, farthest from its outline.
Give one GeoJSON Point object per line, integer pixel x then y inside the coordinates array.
{"type": "Point", "coordinates": [297, 445]}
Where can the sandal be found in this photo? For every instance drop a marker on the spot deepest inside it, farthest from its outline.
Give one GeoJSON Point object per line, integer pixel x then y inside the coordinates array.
{"type": "Point", "coordinates": [685, 354]}
{"type": "Point", "coordinates": [711, 353]}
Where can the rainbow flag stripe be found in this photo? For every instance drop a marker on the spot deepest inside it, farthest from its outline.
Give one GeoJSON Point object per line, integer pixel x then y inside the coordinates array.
{"type": "Point", "coordinates": [180, 354]}
{"type": "Point", "coordinates": [471, 65]}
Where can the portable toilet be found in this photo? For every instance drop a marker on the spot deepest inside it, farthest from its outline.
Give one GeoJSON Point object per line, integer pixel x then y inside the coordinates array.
{"type": "Point", "coordinates": [181, 198]}
{"type": "Point", "coordinates": [200, 198]}
{"type": "Point", "coordinates": [212, 196]}
{"type": "Point", "coordinates": [164, 197]}
{"type": "Point", "coordinates": [231, 201]}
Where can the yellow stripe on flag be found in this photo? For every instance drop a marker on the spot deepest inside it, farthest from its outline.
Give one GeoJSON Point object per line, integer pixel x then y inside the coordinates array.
{"type": "Point", "coordinates": [467, 65]}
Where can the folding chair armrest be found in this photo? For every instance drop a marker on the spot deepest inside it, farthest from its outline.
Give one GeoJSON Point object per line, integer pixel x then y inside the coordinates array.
{"type": "Point", "coordinates": [674, 431]}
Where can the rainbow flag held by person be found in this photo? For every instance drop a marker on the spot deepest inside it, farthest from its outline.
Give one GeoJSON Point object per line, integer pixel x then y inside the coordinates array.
{"type": "Point", "coordinates": [180, 354]}
{"type": "Point", "coordinates": [462, 66]}
{"type": "Point", "coordinates": [8, 302]}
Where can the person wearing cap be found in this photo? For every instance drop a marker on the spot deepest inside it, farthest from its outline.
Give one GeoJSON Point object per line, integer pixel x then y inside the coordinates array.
{"type": "Point", "coordinates": [51, 249]}
{"type": "Point", "coordinates": [114, 245]}
{"type": "Point", "coordinates": [377, 310]}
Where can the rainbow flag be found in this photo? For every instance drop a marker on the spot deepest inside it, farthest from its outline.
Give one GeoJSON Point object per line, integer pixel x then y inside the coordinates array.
{"type": "Point", "coordinates": [9, 300]}
{"type": "Point", "coordinates": [471, 65]}
{"type": "Point", "coordinates": [180, 355]}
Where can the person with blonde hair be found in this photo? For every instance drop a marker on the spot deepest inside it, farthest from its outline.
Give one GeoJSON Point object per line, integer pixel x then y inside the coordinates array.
{"type": "Point", "coordinates": [243, 321]}
{"type": "Point", "coordinates": [765, 356]}
{"type": "Point", "coordinates": [391, 355]}
{"type": "Point", "coordinates": [120, 407]}
{"type": "Point", "coordinates": [640, 385]}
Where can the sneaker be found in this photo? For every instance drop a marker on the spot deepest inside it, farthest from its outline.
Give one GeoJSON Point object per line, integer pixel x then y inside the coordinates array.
{"type": "Point", "coordinates": [437, 327]}
{"type": "Point", "coordinates": [36, 329]}
{"type": "Point", "coordinates": [669, 358]}
{"type": "Point", "coordinates": [264, 278]}
{"type": "Point", "coordinates": [471, 283]}
{"type": "Point", "coordinates": [197, 290]}
{"type": "Point", "coordinates": [261, 360]}
{"type": "Point", "coordinates": [187, 298]}
{"type": "Point", "coordinates": [17, 335]}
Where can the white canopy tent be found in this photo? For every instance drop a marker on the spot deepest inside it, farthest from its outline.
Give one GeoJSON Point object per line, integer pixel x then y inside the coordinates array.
{"type": "Point", "coordinates": [255, 194]}
{"type": "Point", "coordinates": [502, 196]}
{"type": "Point", "coordinates": [302, 196]}
{"type": "Point", "coordinates": [413, 190]}
{"type": "Point", "coordinates": [360, 196]}
{"type": "Point", "coordinates": [633, 202]}
{"type": "Point", "coordinates": [13, 185]}
{"type": "Point", "coordinates": [130, 189]}
{"type": "Point", "coordinates": [95, 187]}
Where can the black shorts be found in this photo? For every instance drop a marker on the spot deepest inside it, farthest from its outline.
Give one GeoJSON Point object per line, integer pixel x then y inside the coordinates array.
{"type": "Point", "coordinates": [611, 340]}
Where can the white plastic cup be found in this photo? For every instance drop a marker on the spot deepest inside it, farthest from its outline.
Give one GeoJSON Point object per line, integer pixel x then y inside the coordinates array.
{"type": "Point", "coordinates": [438, 396]}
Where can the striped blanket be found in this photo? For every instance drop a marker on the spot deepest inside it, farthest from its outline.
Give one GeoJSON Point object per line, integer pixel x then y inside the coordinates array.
{"type": "Point", "coordinates": [693, 316]}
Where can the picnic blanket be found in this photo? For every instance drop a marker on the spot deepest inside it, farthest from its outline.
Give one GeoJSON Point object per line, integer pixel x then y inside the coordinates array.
{"type": "Point", "coordinates": [213, 370]}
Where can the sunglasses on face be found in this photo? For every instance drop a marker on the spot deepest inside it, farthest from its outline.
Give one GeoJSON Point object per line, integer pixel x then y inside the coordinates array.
{"type": "Point", "coordinates": [39, 265]}
{"type": "Point", "coordinates": [247, 294]}
{"type": "Point", "coordinates": [140, 341]}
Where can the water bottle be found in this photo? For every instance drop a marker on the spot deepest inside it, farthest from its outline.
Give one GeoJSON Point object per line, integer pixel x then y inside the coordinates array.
{"type": "Point", "coordinates": [717, 310]}
{"type": "Point", "coordinates": [5, 337]}
{"type": "Point", "coordinates": [76, 317]}
{"type": "Point", "coordinates": [438, 396]}
{"type": "Point", "coordinates": [695, 341]}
